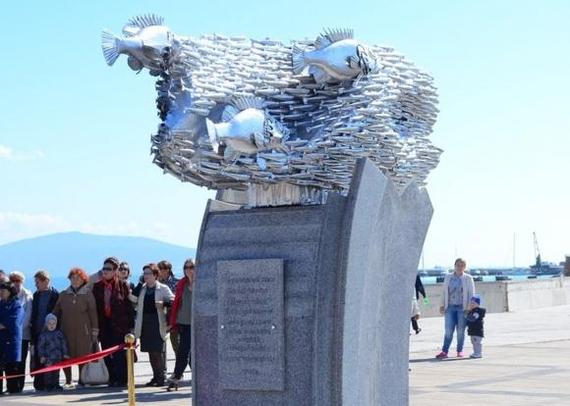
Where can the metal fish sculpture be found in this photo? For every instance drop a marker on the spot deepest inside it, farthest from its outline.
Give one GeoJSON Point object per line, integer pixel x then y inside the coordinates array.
{"type": "Point", "coordinates": [145, 41]}
{"type": "Point", "coordinates": [316, 110]}
{"type": "Point", "coordinates": [337, 57]}
{"type": "Point", "coordinates": [246, 128]}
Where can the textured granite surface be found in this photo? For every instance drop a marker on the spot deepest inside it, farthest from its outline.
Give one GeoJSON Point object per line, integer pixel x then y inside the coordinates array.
{"type": "Point", "coordinates": [302, 237]}
{"type": "Point", "coordinates": [348, 272]}
{"type": "Point", "coordinates": [385, 235]}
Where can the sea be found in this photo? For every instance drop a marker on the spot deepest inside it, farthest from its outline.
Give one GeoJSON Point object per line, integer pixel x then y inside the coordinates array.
{"type": "Point", "coordinates": [431, 280]}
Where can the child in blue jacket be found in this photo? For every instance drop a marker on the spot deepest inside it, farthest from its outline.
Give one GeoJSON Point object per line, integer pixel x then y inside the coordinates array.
{"type": "Point", "coordinates": [52, 348]}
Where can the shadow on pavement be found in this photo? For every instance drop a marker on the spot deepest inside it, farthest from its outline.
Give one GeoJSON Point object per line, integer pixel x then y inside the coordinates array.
{"type": "Point", "coordinates": [107, 395]}
{"type": "Point", "coordinates": [433, 359]}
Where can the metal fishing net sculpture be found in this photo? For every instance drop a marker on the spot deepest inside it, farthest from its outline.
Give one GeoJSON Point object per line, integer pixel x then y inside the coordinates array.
{"type": "Point", "coordinates": [285, 123]}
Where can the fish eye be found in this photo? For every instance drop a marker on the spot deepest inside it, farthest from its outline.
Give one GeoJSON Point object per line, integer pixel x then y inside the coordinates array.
{"type": "Point", "coordinates": [134, 63]}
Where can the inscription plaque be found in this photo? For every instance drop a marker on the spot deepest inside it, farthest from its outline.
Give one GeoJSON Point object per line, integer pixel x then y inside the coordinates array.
{"type": "Point", "coordinates": [251, 324]}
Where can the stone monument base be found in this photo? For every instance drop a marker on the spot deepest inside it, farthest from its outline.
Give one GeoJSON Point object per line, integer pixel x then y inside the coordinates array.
{"type": "Point", "coordinates": [309, 305]}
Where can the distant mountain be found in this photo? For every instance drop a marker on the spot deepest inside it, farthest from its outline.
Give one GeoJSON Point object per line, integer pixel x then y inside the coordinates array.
{"type": "Point", "coordinates": [57, 253]}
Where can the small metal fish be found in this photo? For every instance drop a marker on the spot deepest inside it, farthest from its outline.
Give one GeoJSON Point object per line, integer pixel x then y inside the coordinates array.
{"type": "Point", "coordinates": [337, 57]}
{"type": "Point", "coordinates": [348, 101]}
{"type": "Point", "coordinates": [145, 41]}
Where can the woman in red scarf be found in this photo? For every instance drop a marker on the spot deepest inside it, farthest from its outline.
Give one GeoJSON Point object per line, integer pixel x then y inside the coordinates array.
{"type": "Point", "coordinates": [180, 319]}
{"type": "Point", "coordinates": [115, 314]}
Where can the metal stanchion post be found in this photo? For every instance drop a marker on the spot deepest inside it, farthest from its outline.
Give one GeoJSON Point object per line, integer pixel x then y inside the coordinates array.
{"type": "Point", "coordinates": [130, 341]}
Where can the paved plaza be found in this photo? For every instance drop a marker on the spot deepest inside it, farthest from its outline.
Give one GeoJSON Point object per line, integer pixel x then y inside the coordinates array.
{"type": "Point", "coordinates": [526, 362]}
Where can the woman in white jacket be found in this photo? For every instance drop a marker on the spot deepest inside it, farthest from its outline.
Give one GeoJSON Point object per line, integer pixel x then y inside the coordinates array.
{"type": "Point", "coordinates": [25, 297]}
{"type": "Point", "coordinates": [458, 288]}
{"type": "Point", "coordinates": [151, 324]}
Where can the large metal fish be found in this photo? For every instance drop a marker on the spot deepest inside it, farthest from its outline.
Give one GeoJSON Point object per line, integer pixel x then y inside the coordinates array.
{"type": "Point", "coordinates": [337, 56]}
{"type": "Point", "coordinates": [145, 41]}
{"type": "Point", "coordinates": [246, 129]}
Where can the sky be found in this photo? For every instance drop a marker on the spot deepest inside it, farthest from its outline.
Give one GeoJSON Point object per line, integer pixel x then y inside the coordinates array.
{"type": "Point", "coordinates": [75, 133]}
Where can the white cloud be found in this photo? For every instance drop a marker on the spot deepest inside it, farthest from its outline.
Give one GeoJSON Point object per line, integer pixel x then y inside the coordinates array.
{"type": "Point", "coordinates": [15, 226]}
{"type": "Point", "coordinates": [9, 154]}
{"type": "Point", "coordinates": [5, 152]}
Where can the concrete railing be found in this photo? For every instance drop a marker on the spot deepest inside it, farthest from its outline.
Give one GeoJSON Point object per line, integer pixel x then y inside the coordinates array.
{"type": "Point", "coordinates": [508, 296]}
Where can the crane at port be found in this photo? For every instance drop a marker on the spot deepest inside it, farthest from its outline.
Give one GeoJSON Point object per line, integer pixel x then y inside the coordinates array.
{"type": "Point", "coordinates": [545, 268]}
{"type": "Point", "coordinates": [538, 263]}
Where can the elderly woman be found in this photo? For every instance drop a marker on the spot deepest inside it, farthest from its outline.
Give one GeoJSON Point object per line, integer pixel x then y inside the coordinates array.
{"type": "Point", "coordinates": [25, 297]}
{"type": "Point", "coordinates": [77, 313]}
{"type": "Point", "coordinates": [180, 321]}
{"type": "Point", "coordinates": [11, 317]}
{"type": "Point", "coordinates": [458, 289]}
{"type": "Point", "coordinates": [150, 324]}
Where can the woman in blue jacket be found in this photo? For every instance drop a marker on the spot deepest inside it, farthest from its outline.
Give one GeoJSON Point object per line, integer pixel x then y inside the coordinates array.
{"type": "Point", "coordinates": [11, 318]}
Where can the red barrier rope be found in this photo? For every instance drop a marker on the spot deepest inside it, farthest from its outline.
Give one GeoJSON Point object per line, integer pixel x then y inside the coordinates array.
{"type": "Point", "coordinates": [85, 359]}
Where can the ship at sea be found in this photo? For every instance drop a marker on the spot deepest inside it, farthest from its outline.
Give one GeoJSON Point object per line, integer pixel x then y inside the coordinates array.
{"type": "Point", "coordinates": [546, 268]}
{"type": "Point", "coordinates": [539, 270]}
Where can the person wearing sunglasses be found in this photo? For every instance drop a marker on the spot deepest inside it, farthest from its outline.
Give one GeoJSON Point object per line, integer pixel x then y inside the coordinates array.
{"type": "Point", "coordinates": [124, 273]}
{"type": "Point", "coordinates": [115, 316]}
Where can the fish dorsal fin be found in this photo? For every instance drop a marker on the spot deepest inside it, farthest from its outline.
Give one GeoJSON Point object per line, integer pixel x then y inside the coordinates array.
{"type": "Point", "coordinates": [240, 104]}
{"type": "Point", "coordinates": [330, 36]}
{"type": "Point", "coordinates": [248, 102]}
{"type": "Point", "coordinates": [137, 23]}
{"type": "Point", "coordinates": [229, 113]}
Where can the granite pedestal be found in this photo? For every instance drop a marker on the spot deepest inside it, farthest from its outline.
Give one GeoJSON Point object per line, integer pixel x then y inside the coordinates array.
{"type": "Point", "coordinates": [309, 305]}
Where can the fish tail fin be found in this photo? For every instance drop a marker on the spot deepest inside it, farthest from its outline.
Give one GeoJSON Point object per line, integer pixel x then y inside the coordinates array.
{"type": "Point", "coordinates": [109, 44]}
{"type": "Point", "coordinates": [212, 135]}
{"type": "Point", "coordinates": [298, 57]}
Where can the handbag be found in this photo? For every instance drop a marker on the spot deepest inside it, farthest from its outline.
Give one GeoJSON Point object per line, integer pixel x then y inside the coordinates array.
{"type": "Point", "coordinates": [95, 373]}
{"type": "Point", "coordinates": [415, 309]}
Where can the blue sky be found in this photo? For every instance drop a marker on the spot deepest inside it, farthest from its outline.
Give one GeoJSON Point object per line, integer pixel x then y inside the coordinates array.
{"type": "Point", "coordinates": [75, 134]}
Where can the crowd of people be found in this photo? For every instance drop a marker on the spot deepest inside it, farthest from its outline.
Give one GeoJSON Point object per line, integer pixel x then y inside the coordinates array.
{"type": "Point", "coordinates": [97, 311]}
{"type": "Point", "coordinates": [94, 313]}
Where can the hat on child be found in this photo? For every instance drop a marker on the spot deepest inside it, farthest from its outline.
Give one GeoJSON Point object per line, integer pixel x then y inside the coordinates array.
{"type": "Point", "coordinates": [476, 299]}
{"type": "Point", "coordinates": [51, 316]}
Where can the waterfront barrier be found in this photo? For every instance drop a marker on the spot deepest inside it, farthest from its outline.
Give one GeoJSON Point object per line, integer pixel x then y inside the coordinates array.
{"type": "Point", "coordinates": [509, 295]}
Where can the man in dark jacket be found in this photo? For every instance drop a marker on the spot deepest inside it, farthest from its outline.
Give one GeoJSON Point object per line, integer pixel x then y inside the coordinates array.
{"type": "Point", "coordinates": [43, 303]}
{"type": "Point", "coordinates": [115, 313]}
